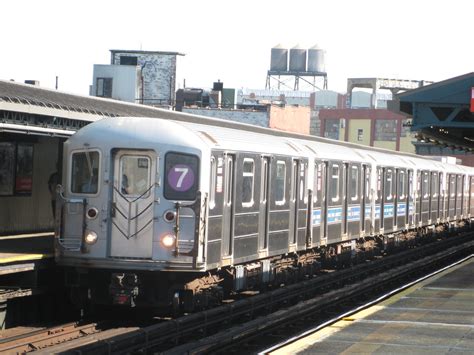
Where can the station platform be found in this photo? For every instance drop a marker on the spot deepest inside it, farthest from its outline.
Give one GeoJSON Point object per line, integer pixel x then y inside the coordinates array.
{"type": "Point", "coordinates": [434, 316]}
{"type": "Point", "coordinates": [22, 258]}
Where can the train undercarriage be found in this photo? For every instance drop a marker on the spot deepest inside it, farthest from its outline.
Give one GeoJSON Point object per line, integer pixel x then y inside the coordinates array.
{"type": "Point", "coordinates": [187, 292]}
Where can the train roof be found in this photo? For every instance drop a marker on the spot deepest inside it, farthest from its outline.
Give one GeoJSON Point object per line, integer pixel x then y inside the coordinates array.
{"type": "Point", "coordinates": [220, 134]}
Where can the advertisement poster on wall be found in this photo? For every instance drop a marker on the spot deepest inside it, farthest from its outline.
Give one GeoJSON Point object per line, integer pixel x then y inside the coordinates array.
{"type": "Point", "coordinates": [24, 169]}
{"type": "Point", "coordinates": [7, 160]}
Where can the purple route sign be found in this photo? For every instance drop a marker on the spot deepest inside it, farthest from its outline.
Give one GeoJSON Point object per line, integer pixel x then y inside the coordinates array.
{"type": "Point", "coordinates": [181, 177]}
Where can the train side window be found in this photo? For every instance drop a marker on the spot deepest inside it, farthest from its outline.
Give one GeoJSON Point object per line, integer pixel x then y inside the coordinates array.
{"type": "Point", "coordinates": [334, 185]}
{"type": "Point", "coordinates": [425, 185]}
{"type": "Point", "coordinates": [212, 191]}
{"type": "Point", "coordinates": [85, 172]}
{"type": "Point", "coordinates": [317, 181]}
{"type": "Point", "coordinates": [434, 185]}
{"type": "Point", "coordinates": [388, 185]}
{"type": "Point", "coordinates": [354, 183]}
{"type": "Point", "coordinates": [452, 187]}
{"type": "Point", "coordinates": [367, 183]}
{"type": "Point", "coordinates": [280, 185]}
{"type": "Point", "coordinates": [460, 185]}
{"type": "Point", "coordinates": [248, 173]}
{"type": "Point", "coordinates": [181, 176]}
{"type": "Point", "coordinates": [401, 185]}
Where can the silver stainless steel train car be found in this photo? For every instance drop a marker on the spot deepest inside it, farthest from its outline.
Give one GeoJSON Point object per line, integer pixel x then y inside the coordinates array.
{"type": "Point", "coordinates": [179, 210]}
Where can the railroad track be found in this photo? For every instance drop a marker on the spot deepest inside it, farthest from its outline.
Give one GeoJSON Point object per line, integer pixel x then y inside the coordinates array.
{"type": "Point", "coordinates": [44, 338]}
{"type": "Point", "coordinates": [243, 325]}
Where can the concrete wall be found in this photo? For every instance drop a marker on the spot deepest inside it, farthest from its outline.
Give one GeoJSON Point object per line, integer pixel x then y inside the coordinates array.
{"type": "Point", "coordinates": [256, 118]}
{"type": "Point", "coordinates": [290, 118]}
{"type": "Point", "coordinates": [125, 81]}
{"type": "Point", "coordinates": [354, 126]}
{"type": "Point", "coordinates": [159, 76]}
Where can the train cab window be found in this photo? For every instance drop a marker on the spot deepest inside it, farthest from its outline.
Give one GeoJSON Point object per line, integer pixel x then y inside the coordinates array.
{"type": "Point", "coordinates": [181, 176]}
{"type": "Point", "coordinates": [85, 172]}
{"type": "Point", "coordinates": [334, 185]}
{"type": "Point", "coordinates": [388, 187]}
{"type": "Point", "coordinates": [134, 179]}
{"type": "Point", "coordinates": [401, 185]}
{"type": "Point", "coordinates": [248, 173]}
{"type": "Point", "coordinates": [425, 185]}
{"type": "Point", "coordinates": [354, 183]}
{"type": "Point", "coordinates": [280, 182]}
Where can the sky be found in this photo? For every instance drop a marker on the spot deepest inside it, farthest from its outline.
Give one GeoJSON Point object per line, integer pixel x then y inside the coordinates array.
{"type": "Point", "coordinates": [231, 40]}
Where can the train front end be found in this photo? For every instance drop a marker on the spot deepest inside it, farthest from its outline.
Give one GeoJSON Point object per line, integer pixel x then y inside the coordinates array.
{"type": "Point", "coordinates": [131, 212]}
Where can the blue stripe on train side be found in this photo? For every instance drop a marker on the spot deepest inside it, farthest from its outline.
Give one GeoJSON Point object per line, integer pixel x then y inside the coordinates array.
{"type": "Point", "coordinates": [316, 217]}
{"type": "Point", "coordinates": [353, 213]}
{"type": "Point", "coordinates": [377, 211]}
{"type": "Point", "coordinates": [334, 215]}
{"type": "Point", "coordinates": [401, 209]}
{"type": "Point", "coordinates": [388, 210]}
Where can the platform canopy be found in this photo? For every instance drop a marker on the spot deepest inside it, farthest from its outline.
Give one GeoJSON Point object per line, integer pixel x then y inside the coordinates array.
{"type": "Point", "coordinates": [443, 113]}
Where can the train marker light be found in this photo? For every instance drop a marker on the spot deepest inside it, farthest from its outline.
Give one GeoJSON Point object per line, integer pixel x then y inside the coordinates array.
{"type": "Point", "coordinates": [168, 240]}
{"type": "Point", "coordinates": [91, 237]}
{"type": "Point", "coordinates": [169, 216]}
{"type": "Point", "coordinates": [92, 213]}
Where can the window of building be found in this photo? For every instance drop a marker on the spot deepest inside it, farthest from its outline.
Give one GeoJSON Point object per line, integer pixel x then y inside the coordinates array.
{"type": "Point", "coordinates": [248, 173]}
{"type": "Point", "coordinates": [104, 87]}
{"type": "Point", "coordinates": [360, 134]}
{"type": "Point", "coordinates": [128, 60]}
{"type": "Point", "coordinates": [331, 129]}
{"type": "Point", "coordinates": [280, 182]}
{"type": "Point", "coordinates": [386, 130]}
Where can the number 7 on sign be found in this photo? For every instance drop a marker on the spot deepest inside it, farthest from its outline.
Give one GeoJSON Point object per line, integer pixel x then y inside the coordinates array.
{"type": "Point", "coordinates": [183, 171]}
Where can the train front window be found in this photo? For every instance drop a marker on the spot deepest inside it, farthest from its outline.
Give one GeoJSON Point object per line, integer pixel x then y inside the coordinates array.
{"type": "Point", "coordinates": [181, 176]}
{"type": "Point", "coordinates": [134, 175]}
{"type": "Point", "coordinates": [85, 172]}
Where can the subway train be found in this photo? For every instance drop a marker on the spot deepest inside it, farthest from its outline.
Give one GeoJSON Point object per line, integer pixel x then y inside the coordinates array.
{"type": "Point", "coordinates": [182, 211]}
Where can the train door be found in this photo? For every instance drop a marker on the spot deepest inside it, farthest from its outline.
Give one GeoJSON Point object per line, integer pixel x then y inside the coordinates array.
{"type": "Point", "coordinates": [401, 200]}
{"type": "Point", "coordinates": [388, 199]}
{"type": "Point", "coordinates": [459, 196]}
{"type": "Point", "coordinates": [132, 204]}
{"type": "Point", "coordinates": [298, 206]}
{"type": "Point", "coordinates": [216, 204]}
{"type": "Point", "coordinates": [317, 198]}
{"type": "Point", "coordinates": [411, 199]}
{"type": "Point", "coordinates": [353, 200]}
{"type": "Point", "coordinates": [418, 198]}
{"type": "Point", "coordinates": [378, 201]}
{"type": "Point", "coordinates": [366, 209]}
{"type": "Point", "coordinates": [279, 233]}
{"type": "Point", "coordinates": [264, 203]}
{"type": "Point", "coordinates": [425, 197]}
{"type": "Point", "coordinates": [228, 206]}
{"type": "Point", "coordinates": [334, 202]}
{"type": "Point", "coordinates": [471, 196]}
{"type": "Point", "coordinates": [434, 200]}
{"type": "Point", "coordinates": [451, 197]}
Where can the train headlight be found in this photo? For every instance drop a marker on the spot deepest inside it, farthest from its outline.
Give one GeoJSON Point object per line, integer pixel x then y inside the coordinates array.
{"type": "Point", "coordinates": [168, 240]}
{"type": "Point", "coordinates": [90, 237]}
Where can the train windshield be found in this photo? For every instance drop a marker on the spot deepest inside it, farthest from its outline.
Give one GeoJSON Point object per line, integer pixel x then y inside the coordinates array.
{"type": "Point", "coordinates": [85, 172]}
{"type": "Point", "coordinates": [181, 176]}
